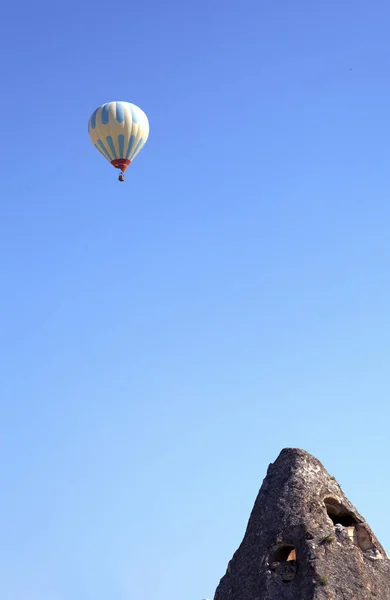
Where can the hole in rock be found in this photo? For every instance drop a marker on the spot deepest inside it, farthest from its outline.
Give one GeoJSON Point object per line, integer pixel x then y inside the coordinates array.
{"type": "Point", "coordinates": [283, 561]}
{"type": "Point", "coordinates": [338, 513]}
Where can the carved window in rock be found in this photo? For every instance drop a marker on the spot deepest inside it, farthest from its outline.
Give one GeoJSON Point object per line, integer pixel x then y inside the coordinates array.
{"type": "Point", "coordinates": [357, 533]}
{"type": "Point", "coordinates": [283, 562]}
{"type": "Point", "coordinates": [338, 514]}
{"type": "Point", "coordinates": [364, 538]}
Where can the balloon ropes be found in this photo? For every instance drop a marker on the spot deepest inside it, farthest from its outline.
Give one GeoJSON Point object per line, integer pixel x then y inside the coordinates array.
{"type": "Point", "coordinates": [119, 130]}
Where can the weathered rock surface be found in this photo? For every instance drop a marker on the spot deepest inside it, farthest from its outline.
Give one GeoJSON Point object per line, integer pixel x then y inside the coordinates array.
{"type": "Point", "coordinates": [305, 541]}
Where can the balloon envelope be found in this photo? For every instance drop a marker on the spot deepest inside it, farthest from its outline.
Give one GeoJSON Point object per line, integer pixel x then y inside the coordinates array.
{"type": "Point", "coordinates": [119, 130]}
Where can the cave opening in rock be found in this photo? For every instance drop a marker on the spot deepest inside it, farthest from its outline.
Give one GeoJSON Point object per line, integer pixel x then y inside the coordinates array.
{"type": "Point", "coordinates": [283, 562]}
{"type": "Point", "coordinates": [283, 554]}
{"type": "Point", "coordinates": [357, 532]}
{"type": "Point", "coordinates": [338, 514]}
{"type": "Point", "coordinates": [364, 539]}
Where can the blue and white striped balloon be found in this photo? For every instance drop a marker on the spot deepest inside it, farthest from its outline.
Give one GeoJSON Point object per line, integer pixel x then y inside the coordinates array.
{"type": "Point", "coordinates": [119, 130]}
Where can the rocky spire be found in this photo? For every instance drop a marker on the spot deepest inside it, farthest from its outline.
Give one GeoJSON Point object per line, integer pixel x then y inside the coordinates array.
{"type": "Point", "coordinates": [305, 541]}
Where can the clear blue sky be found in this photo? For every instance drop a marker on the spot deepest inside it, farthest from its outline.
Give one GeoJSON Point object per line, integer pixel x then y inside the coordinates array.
{"type": "Point", "coordinates": [163, 339]}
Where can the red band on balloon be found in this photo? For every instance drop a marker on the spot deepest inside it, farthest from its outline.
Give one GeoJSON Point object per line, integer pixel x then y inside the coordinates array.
{"type": "Point", "coordinates": [120, 163]}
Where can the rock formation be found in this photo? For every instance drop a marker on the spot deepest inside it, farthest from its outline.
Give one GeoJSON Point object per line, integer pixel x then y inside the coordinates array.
{"type": "Point", "coordinates": [305, 541]}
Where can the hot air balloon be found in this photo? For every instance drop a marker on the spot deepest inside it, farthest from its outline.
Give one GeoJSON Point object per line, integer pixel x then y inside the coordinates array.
{"type": "Point", "coordinates": [119, 130]}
